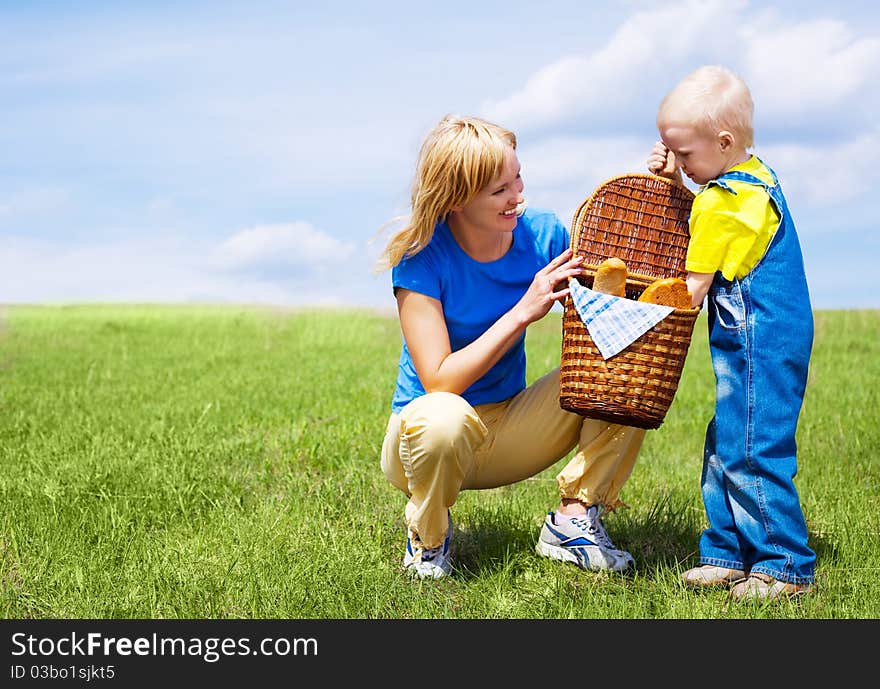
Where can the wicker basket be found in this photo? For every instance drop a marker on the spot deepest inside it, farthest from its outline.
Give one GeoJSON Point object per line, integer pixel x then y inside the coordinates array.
{"type": "Point", "coordinates": [643, 220]}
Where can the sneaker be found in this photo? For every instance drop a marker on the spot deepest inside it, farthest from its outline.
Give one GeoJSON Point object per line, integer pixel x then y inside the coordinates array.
{"type": "Point", "coordinates": [760, 586]}
{"type": "Point", "coordinates": [710, 575]}
{"type": "Point", "coordinates": [427, 563]}
{"type": "Point", "coordinates": [581, 540]}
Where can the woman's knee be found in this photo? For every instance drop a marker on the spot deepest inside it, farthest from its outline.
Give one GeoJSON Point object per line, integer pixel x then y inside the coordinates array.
{"type": "Point", "coordinates": [440, 420]}
{"type": "Point", "coordinates": [390, 458]}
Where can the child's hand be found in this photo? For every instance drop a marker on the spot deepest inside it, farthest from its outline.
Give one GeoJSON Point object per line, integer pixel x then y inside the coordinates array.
{"type": "Point", "coordinates": [662, 162]}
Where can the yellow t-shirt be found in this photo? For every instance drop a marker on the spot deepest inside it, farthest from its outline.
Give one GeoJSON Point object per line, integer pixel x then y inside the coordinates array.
{"type": "Point", "coordinates": [731, 232]}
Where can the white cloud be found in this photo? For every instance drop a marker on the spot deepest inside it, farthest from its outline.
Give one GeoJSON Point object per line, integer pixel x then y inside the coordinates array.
{"type": "Point", "coordinates": [561, 172]}
{"type": "Point", "coordinates": [560, 160]}
{"type": "Point", "coordinates": [647, 49]}
{"type": "Point", "coordinates": [826, 174]}
{"type": "Point", "coordinates": [812, 66]}
{"type": "Point", "coordinates": [795, 69]}
{"type": "Point", "coordinates": [181, 270]}
{"type": "Point", "coordinates": [37, 271]}
{"type": "Point", "coordinates": [295, 245]}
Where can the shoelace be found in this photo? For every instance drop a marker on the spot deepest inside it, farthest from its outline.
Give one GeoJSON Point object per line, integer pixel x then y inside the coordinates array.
{"type": "Point", "coordinates": [592, 524]}
{"type": "Point", "coordinates": [429, 554]}
{"type": "Point", "coordinates": [425, 554]}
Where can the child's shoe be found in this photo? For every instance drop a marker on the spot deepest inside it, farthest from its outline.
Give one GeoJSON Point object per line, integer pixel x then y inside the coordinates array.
{"type": "Point", "coordinates": [710, 575]}
{"type": "Point", "coordinates": [760, 586]}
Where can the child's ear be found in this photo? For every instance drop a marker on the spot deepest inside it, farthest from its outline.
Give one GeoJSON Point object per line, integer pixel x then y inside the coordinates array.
{"type": "Point", "coordinates": [726, 140]}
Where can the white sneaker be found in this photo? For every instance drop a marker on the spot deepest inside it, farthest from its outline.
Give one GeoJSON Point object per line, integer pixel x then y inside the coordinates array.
{"type": "Point", "coordinates": [581, 540]}
{"type": "Point", "coordinates": [427, 563]}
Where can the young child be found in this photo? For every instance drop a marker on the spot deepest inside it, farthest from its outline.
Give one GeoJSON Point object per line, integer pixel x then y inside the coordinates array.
{"type": "Point", "coordinates": [745, 255]}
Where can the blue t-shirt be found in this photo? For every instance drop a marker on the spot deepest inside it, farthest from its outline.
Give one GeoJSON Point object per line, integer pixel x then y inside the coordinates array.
{"type": "Point", "coordinates": [474, 295]}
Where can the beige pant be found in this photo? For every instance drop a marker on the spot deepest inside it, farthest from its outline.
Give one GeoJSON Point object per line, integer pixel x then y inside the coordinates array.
{"type": "Point", "coordinates": [440, 445]}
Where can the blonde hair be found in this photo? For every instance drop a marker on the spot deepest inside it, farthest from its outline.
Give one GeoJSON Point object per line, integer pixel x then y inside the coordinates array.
{"type": "Point", "coordinates": [459, 157]}
{"type": "Point", "coordinates": [715, 98]}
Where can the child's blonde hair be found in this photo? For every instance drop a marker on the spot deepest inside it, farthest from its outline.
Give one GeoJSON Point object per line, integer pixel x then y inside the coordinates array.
{"type": "Point", "coordinates": [459, 157]}
{"type": "Point", "coordinates": [715, 98]}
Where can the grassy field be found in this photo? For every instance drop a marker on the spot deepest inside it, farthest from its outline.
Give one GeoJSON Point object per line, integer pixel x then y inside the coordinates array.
{"type": "Point", "coordinates": [222, 462]}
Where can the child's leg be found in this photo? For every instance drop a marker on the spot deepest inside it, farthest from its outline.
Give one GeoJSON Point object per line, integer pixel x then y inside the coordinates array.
{"type": "Point", "coordinates": [719, 543]}
{"type": "Point", "coordinates": [428, 450]}
{"type": "Point", "coordinates": [754, 463]}
{"type": "Point", "coordinates": [774, 520]}
{"type": "Point", "coordinates": [764, 503]}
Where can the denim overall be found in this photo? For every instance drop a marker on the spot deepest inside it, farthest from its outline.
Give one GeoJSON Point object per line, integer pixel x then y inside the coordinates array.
{"type": "Point", "coordinates": [760, 335]}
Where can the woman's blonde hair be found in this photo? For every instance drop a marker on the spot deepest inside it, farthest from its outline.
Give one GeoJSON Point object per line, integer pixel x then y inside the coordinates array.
{"type": "Point", "coordinates": [715, 98]}
{"type": "Point", "coordinates": [459, 157]}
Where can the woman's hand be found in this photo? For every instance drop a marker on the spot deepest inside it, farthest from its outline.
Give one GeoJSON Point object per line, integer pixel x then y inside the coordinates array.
{"type": "Point", "coordinates": [662, 162]}
{"type": "Point", "coordinates": [545, 288]}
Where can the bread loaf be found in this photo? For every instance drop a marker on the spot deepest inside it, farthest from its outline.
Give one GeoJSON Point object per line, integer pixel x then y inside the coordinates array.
{"type": "Point", "coordinates": [669, 292]}
{"type": "Point", "coordinates": [611, 277]}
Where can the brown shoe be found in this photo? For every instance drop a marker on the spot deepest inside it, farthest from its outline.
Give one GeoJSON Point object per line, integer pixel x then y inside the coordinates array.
{"type": "Point", "coordinates": [710, 575]}
{"type": "Point", "coordinates": [761, 586]}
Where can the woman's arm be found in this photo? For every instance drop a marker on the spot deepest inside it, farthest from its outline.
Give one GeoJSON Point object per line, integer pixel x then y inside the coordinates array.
{"type": "Point", "coordinates": [438, 368]}
{"type": "Point", "coordinates": [424, 329]}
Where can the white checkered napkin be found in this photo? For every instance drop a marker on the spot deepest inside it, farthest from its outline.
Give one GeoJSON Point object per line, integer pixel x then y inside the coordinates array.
{"type": "Point", "coordinates": [614, 322]}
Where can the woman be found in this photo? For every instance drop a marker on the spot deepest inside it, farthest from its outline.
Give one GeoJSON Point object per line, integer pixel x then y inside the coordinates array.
{"type": "Point", "coordinates": [471, 269]}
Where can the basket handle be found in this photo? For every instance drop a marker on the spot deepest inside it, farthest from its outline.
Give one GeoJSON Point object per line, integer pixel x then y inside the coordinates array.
{"type": "Point", "coordinates": [576, 223]}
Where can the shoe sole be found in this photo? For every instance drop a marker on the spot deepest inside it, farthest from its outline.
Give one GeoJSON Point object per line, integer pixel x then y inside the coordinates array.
{"type": "Point", "coordinates": [596, 559]}
{"type": "Point", "coordinates": [421, 573]}
{"type": "Point", "coordinates": [768, 594]}
{"type": "Point", "coordinates": [712, 583]}
{"type": "Point", "coordinates": [423, 570]}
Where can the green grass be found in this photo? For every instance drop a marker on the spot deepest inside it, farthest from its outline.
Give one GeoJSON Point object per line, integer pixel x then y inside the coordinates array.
{"type": "Point", "coordinates": [222, 462]}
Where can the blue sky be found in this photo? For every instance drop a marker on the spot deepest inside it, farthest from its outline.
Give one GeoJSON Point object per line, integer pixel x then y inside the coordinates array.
{"type": "Point", "coordinates": [250, 152]}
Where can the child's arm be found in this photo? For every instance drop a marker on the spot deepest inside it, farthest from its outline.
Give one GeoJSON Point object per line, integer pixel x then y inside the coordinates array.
{"type": "Point", "coordinates": [662, 162]}
{"type": "Point", "coordinates": [698, 285]}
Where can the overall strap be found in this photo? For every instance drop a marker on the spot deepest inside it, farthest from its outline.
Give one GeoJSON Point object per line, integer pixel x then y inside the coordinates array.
{"type": "Point", "coordinates": [774, 191]}
{"type": "Point", "coordinates": [739, 176]}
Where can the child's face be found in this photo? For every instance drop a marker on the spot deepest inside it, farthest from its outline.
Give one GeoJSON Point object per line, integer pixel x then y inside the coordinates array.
{"type": "Point", "coordinates": [700, 154]}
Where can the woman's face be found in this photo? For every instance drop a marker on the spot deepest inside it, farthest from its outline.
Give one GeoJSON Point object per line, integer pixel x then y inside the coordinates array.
{"type": "Point", "coordinates": [494, 207]}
